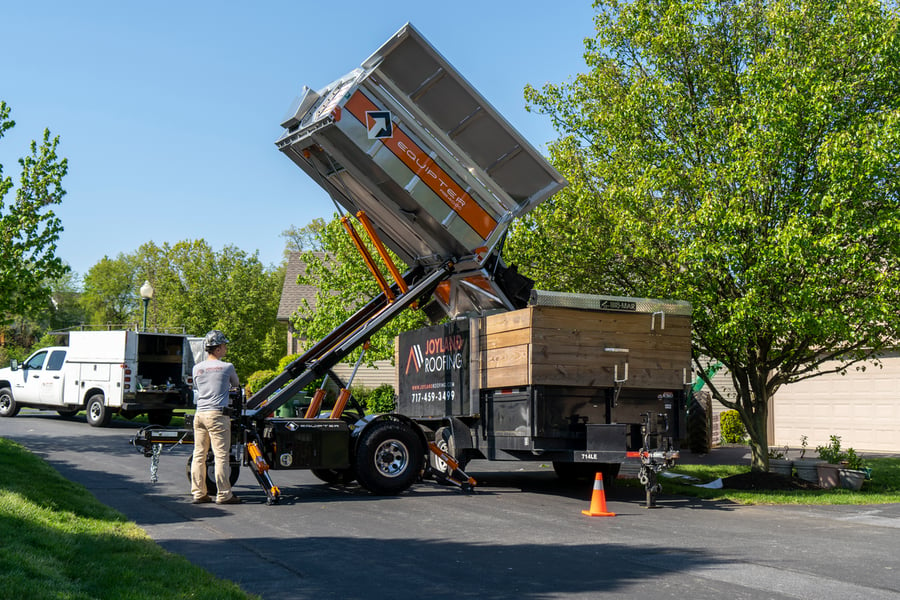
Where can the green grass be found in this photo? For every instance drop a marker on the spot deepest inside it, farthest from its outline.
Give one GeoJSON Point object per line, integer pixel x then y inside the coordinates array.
{"type": "Point", "coordinates": [57, 541]}
{"type": "Point", "coordinates": [884, 488]}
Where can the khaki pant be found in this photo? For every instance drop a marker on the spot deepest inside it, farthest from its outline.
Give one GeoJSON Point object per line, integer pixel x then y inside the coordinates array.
{"type": "Point", "coordinates": [211, 428]}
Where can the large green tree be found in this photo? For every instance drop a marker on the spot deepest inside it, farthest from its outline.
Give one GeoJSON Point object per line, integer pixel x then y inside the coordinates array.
{"type": "Point", "coordinates": [196, 288]}
{"type": "Point", "coordinates": [29, 229]}
{"type": "Point", "coordinates": [744, 156]}
{"type": "Point", "coordinates": [344, 284]}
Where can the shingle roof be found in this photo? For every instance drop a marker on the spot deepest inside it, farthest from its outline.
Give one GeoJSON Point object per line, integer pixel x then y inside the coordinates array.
{"type": "Point", "coordinates": [292, 294]}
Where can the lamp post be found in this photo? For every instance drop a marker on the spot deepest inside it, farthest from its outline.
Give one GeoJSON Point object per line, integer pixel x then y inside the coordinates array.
{"type": "Point", "coordinates": [146, 294]}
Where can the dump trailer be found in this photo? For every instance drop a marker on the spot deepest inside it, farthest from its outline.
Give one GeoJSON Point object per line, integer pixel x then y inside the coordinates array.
{"type": "Point", "coordinates": [424, 166]}
{"type": "Point", "coordinates": [585, 382]}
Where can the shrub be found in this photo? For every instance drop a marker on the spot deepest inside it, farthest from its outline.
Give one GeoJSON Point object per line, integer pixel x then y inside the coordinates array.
{"type": "Point", "coordinates": [732, 427]}
{"type": "Point", "coordinates": [381, 400]}
{"type": "Point", "coordinates": [260, 378]}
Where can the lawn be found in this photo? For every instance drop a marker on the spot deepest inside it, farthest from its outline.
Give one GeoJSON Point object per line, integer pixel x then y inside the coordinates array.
{"type": "Point", "coordinates": [58, 541]}
{"type": "Point", "coordinates": [884, 487]}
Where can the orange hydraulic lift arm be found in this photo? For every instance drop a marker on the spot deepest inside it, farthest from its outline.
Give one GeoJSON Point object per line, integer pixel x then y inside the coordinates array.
{"type": "Point", "coordinates": [370, 229]}
{"type": "Point", "coordinates": [367, 257]}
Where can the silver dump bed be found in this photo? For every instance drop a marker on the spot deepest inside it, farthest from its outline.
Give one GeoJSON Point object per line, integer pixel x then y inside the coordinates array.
{"type": "Point", "coordinates": [408, 140]}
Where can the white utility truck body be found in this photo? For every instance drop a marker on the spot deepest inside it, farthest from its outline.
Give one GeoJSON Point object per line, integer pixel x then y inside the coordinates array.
{"type": "Point", "coordinates": [104, 372]}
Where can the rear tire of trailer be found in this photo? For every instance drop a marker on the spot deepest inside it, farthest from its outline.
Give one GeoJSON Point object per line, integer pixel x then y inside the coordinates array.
{"type": "Point", "coordinates": [211, 487]}
{"type": "Point", "coordinates": [159, 417]}
{"type": "Point", "coordinates": [8, 406]}
{"type": "Point", "coordinates": [335, 476]}
{"type": "Point", "coordinates": [389, 457]}
{"type": "Point", "coordinates": [98, 414]}
{"type": "Point", "coordinates": [443, 439]}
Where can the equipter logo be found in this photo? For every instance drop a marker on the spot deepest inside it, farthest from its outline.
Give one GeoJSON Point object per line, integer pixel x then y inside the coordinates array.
{"type": "Point", "coordinates": [379, 124]}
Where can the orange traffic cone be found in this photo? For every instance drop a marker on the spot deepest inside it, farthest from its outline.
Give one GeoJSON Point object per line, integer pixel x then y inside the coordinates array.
{"type": "Point", "coordinates": [598, 500]}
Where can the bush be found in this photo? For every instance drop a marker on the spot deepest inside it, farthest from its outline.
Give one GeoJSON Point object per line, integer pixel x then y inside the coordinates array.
{"type": "Point", "coordinates": [732, 427]}
{"type": "Point", "coordinates": [378, 400]}
{"type": "Point", "coordinates": [257, 380]}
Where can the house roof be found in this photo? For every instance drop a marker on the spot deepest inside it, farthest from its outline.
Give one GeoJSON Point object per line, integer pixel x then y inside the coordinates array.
{"type": "Point", "coordinates": [293, 294]}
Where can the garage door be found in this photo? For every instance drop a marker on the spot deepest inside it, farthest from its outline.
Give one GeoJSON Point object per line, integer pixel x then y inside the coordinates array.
{"type": "Point", "coordinates": [863, 408]}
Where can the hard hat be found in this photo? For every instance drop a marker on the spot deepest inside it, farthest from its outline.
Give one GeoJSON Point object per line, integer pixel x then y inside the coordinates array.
{"type": "Point", "coordinates": [215, 338]}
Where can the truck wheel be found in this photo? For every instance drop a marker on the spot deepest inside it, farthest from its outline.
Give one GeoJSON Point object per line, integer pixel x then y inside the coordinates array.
{"type": "Point", "coordinates": [211, 487]}
{"type": "Point", "coordinates": [334, 476]}
{"type": "Point", "coordinates": [443, 439]}
{"type": "Point", "coordinates": [159, 417]}
{"type": "Point", "coordinates": [8, 406]}
{"type": "Point", "coordinates": [98, 414]}
{"type": "Point", "coordinates": [389, 457]}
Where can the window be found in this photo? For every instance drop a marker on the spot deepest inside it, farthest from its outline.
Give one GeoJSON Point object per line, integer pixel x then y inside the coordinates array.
{"type": "Point", "coordinates": [57, 358]}
{"type": "Point", "coordinates": [36, 361]}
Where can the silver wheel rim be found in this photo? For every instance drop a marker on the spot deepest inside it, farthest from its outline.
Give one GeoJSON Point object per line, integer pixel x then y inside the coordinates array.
{"type": "Point", "coordinates": [391, 458]}
{"type": "Point", "coordinates": [95, 411]}
{"type": "Point", "coordinates": [439, 463]}
{"type": "Point", "coordinates": [5, 402]}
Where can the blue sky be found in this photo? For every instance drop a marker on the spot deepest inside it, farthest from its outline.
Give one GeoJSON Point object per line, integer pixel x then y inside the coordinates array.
{"type": "Point", "coordinates": [168, 111]}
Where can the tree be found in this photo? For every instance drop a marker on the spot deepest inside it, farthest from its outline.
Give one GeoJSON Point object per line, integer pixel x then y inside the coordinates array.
{"type": "Point", "coordinates": [303, 239]}
{"type": "Point", "coordinates": [109, 292]}
{"type": "Point", "coordinates": [343, 285]}
{"type": "Point", "coordinates": [196, 288]}
{"type": "Point", "coordinates": [743, 156]}
{"type": "Point", "coordinates": [29, 229]}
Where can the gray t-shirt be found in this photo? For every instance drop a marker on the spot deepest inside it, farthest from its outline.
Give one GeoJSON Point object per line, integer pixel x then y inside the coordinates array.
{"type": "Point", "coordinates": [212, 380]}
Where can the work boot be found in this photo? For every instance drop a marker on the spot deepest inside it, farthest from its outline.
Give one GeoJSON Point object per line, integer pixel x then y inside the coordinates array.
{"type": "Point", "coordinates": [201, 500]}
{"type": "Point", "coordinates": [230, 500]}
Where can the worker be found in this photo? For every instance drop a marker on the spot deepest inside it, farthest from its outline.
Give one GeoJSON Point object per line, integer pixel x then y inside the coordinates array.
{"type": "Point", "coordinates": [213, 379]}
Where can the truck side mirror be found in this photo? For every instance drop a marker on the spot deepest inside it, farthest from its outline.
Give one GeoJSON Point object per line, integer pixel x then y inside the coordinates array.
{"type": "Point", "coordinates": [14, 365]}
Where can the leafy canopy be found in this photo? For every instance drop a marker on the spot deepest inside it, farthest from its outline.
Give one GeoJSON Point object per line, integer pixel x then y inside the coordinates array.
{"type": "Point", "coordinates": [29, 229]}
{"type": "Point", "coordinates": [742, 155]}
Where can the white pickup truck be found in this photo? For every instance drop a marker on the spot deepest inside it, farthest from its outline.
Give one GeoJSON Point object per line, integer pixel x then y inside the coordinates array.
{"type": "Point", "coordinates": [104, 372]}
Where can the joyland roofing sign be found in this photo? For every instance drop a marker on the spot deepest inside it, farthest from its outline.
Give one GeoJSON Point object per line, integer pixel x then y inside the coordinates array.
{"type": "Point", "coordinates": [434, 370]}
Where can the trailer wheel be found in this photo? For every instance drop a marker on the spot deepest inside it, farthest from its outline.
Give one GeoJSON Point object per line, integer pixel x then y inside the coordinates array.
{"type": "Point", "coordinates": [159, 417]}
{"type": "Point", "coordinates": [211, 487]}
{"type": "Point", "coordinates": [389, 457]}
{"type": "Point", "coordinates": [443, 439]}
{"type": "Point", "coordinates": [335, 476]}
{"type": "Point", "coordinates": [8, 406]}
{"type": "Point", "coordinates": [98, 414]}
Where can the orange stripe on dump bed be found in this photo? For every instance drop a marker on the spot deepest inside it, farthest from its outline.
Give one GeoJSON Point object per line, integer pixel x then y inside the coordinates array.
{"type": "Point", "coordinates": [418, 161]}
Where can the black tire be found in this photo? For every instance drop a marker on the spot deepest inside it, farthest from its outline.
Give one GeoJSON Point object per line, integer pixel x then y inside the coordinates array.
{"type": "Point", "coordinates": [211, 487]}
{"type": "Point", "coordinates": [68, 413]}
{"type": "Point", "coordinates": [335, 476]}
{"type": "Point", "coordinates": [159, 417]}
{"type": "Point", "coordinates": [389, 457]}
{"type": "Point", "coordinates": [8, 406]}
{"type": "Point", "coordinates": [443, 439]}
{"type": "Point", "coordinates": [98, 414]}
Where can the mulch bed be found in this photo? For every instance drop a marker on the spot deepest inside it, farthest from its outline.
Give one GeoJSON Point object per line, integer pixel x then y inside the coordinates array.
{"type": "Point", "coordinates": [762, 480]}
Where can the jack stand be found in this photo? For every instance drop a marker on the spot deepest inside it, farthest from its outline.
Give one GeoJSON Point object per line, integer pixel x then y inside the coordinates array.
{"type": "Point", "coordinates": [260, 469]}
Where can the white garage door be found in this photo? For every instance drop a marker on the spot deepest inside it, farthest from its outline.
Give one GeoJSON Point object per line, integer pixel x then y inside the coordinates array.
{"type": "Point", "coordinates": [863, 408]}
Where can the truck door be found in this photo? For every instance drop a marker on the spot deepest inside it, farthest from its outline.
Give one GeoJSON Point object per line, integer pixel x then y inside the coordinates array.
{"type": "Point", "coordinates": [28, 378]}
{"type": "Point", "coordinates": [53, 378]}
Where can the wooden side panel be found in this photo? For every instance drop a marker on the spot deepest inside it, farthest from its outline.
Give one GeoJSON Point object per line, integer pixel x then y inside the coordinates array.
{"type": "Point", "coordinates": [562, 346]}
